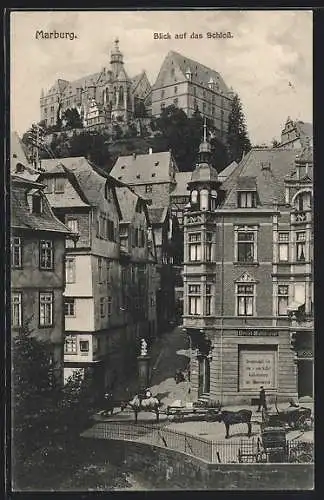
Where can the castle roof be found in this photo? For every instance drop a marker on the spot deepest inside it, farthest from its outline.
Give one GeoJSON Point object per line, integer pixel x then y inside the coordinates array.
{"type": "Point", "coordinates": [148, 168]}
{"type": "Point", "coordinates": [200, 73]}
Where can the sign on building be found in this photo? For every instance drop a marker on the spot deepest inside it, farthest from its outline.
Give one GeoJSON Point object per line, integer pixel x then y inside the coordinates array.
{"type": "Point", "coordinates": [257, 368]}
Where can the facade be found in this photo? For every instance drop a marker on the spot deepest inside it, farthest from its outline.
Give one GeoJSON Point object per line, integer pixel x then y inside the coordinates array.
{"type": "Point", "coordinates": [138, 268]}
{"type": "Point", "coordinates": [296, 134]}
{"type": "Point", "coordinates": [191, 86]}
{"type": "Point", "coordinates": [105, 96]}
{"type": "Point", "coordinates": [248, 277]}
{"type": "Point", "coordinates": [37, 267]}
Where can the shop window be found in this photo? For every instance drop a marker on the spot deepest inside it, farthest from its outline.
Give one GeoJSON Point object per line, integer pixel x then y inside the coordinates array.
{"type": "Point", "coordinates": [283, 298]}
{"type": "Point", "coordinates": [194, 299]}
{"type": "Point", "coordinates": [283, 242]}
{"type": "Point", "coordinates": [245, 299]}
{"type": "Point", "coordinates": [194, 246]}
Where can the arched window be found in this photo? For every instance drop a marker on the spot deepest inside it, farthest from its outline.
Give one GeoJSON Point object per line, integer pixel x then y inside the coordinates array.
{"type": "Point", "coordinates": [303, 201]}
{"type": "Point", "coordinates": [204, 199]}
{"type": "Point", "coordinates": [194, 196]}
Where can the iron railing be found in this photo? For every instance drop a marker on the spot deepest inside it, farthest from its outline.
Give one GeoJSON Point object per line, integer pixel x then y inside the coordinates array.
{"type": "Point", "coordinates": [245, 450]}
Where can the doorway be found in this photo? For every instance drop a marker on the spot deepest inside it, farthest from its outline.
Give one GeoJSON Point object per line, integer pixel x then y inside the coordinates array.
{"type": "Point", "coordinates": [204, 376]}
{"type": "Point", "coordinates": [305, 377]}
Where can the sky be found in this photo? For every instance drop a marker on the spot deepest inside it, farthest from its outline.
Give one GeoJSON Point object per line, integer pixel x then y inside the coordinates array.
{"type": "Point", "coordinates": [267, 61]}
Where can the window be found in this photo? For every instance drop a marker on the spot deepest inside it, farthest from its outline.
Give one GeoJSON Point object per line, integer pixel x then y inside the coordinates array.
{"type": "Point", "coordinates": [162, 94]}
{"type": "Point", "coordinates": [194, 299]}
{"type": "Point", "coordinates": [111, 230]}
{"type": "Point", "coordinates": [176, 90]}
{"type": "Point", "coordinates": [283, 242]}
{"type": "Point", "coordinates": [100, 269]}
{"type": "Point", "coordinates": [69, 307]}
{"type": "Point", "coordinates": [194, 246]}
{"type": "Point", "coordinates": [194, 90]}
{"type": "Point", "coordinates": [70, 344]}
{"type": "Point", "coordinates": [208, 300]}
{"type": "Point", "coordinates": [70, 270]}
{"type": "Point", "coordinates": [73, 225]}
{"type": "Point", "coordinates": [283, 296]}
{"type": "Point", "coordinates": [148, 188]}
{"type": "Point", "coordinates": [84, 345]}
{"type": "Point", "coordinates": [300, 246]}
{"type": "Point", "coordinates": [46, 309]}
{"type": "Point", "coordinates": [247, 199]}
{"type": "Point", "coordinates": [204, 376]}
{"type": "Point", "coordinates": [245, 299]}
{"type": "Point", "coordinates": [175, 101]}
{"type": "Point", "coordinates": [209, 238]}
{"type": "Point", "coordinates": [16, 252]}
{"type": "Point", "coordinates": [303, 201]}
{"type": "Point", "coordinates": [48, 185]}
{"type": "Point", "coordinates": [36, 204]}
{"type": "Point", "coordinates": [108, 271]}
{"type": "Point", "coordinates": [245, 246]}
{"type": "Point", "coordinates": [102, 308]}
{"type": "Point", "coordinates": [109, 306]}
{"type": "Point", "coordinates": [46, 254]}
{"type": "Point", "coordinates": [16, 309]}
{"type": "Point", "coordinates": [59, 183]}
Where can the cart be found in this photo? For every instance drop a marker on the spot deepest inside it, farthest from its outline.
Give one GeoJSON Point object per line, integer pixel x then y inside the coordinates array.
{"type": "Point", "coordinates": [195, 411]}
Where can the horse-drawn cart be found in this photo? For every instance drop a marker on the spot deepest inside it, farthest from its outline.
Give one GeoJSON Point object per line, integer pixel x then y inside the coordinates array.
{"type": "Point", "coordinates": [293, 417]}
{"type": "Point", "coordinates": [198, 410]}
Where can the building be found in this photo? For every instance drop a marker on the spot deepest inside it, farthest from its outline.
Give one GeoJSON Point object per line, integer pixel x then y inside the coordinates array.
{"type": "Point", "coordinates": [99, 98]}
{"type": "Point", "coordinates": [296, 134]}
{"type": "Point", "coordinates": [138, 270]}
{"type": "Point", "coordinates": [151, 175]}
{"type": "Point", "coordinates": [248, 282]}
{"type": "Point", "coordinates": [19, 163]}
{"type": "Point", "coordinates": [37, 267]}
{"type": "Point", "coordinates": [191, 86]}
{"type": "Point", "coordinates": [107, 307]}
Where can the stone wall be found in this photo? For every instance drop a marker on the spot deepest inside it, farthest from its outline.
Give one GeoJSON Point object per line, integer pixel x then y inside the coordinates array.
{"type": "Point", "coordinates": [167, 469]}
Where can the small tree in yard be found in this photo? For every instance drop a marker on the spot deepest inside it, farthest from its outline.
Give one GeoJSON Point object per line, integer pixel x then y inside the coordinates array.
{"type": "Point", "coordinates": [237, 137]}
{"type": "Point", "coordinates": [46, 417]}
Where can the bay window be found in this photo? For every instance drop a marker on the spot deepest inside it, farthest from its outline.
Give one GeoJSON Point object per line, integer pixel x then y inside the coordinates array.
{"type": "Point", "coordinates": [194, 246]}
{"type": "Point", "coordinates": [194, 299]}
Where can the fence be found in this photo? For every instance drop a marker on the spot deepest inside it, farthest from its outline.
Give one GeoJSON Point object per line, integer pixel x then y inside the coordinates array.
{"type": "Point", "coordinates": [245, 450]}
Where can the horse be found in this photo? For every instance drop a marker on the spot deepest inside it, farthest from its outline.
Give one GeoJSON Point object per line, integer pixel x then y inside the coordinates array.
{"type": "Point", "coordinates": [145, 404]}
{"type": "Point", "coordinates": [234, 417]}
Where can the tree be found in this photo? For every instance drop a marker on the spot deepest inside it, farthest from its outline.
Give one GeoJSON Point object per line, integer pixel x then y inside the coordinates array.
{"type": "Point", "coordinates": [237, 136]}
{"type": "Point", "coordinates": [72, 118]}
{"type": "Point", "coordinates": [275, 143]}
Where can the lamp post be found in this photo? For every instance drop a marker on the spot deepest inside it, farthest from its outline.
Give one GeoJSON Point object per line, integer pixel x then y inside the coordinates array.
{"type": "Point", "coordinates": [143, 361]}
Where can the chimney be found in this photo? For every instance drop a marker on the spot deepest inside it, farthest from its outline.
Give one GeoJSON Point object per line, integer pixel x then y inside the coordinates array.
{"type": "Point", "coordinates": [150, 151]}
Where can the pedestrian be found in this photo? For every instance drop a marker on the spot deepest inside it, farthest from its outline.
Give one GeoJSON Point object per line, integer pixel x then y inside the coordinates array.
{"type": "Point", "coordinates": [262, 399]}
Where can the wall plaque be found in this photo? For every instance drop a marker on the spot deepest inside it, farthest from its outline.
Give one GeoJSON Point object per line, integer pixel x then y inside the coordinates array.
{"type": "Point", "coordinates": [257, 368]}
{"type": "Point", "coordinates": [257, 333]}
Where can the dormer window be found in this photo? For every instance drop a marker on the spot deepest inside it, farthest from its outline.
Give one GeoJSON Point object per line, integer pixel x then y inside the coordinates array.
{"type": "Point", "coordinates": [59, 185]}
{"type": "Point", "coordinates": [35, 202]}
{"type": "Point", "coordinates": [246, 199]}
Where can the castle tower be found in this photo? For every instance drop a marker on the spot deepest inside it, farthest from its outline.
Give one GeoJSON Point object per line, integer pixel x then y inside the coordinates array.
{"type": "Point", "coordinates": [116, 59]}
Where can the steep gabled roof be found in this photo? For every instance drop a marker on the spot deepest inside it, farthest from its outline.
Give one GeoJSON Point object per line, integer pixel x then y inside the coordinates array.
{"type": "Point", "coordinates": [143, 169]}
{"type": "Point", "coordinates": [267, 168]}
{"type": "Point", "coordinates": [157, 215]}
{"type": "Point", "coordinates": [201, 74]}
{"type": "Point", "coordinates": [182, 179]}
{"type": "Point", "coordinates": [22, 218]}
{"type": "Point", "coordinates": [128, 201]}
{"type": "Point", "coordinates": [227, 171]}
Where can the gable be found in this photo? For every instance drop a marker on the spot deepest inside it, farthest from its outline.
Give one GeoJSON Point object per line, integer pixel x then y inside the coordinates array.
{"type": "Point", "coordinates": [245, 278]}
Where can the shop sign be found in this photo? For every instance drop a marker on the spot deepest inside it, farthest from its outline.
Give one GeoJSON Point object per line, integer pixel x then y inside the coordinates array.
{"type": "Point", "coordinates": [257, 368]}
{"type": "Point", "coordinates": [257, 333]}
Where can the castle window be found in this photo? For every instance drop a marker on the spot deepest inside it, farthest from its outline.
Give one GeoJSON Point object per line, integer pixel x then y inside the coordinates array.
{"type": "Point", "coordinates": [175, 89]}
{"type": "Point", "coordinates": [283, 242]}
{"type": "Point", "coordinates": [194, 300]}
{"type": "Point", "coordinates": [194, 240]}
{"type": "Point", "coordinates": [245, 299]}
{"type": "Point", "coordinates": [247, 199]}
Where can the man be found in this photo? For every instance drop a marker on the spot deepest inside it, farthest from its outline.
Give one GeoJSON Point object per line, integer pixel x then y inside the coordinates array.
{"type": "Point", "coordinates": [262, 399]}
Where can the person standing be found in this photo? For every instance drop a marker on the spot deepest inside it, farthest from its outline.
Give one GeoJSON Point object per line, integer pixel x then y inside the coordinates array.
{"type": "Point", "coordinates": [262, 399]}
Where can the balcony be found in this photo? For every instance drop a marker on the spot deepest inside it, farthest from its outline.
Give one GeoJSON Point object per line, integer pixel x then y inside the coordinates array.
{"type": "Point", "coordinates": [301, 217]}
